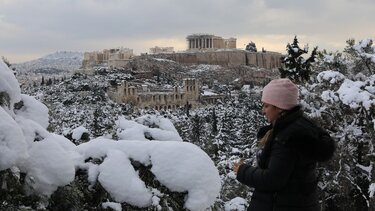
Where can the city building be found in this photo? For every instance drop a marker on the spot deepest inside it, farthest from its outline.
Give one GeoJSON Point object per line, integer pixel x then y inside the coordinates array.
{"type": "Point", "coordinates": [115, 57]}
{"type": "Point", "coordinates": [157, 50]}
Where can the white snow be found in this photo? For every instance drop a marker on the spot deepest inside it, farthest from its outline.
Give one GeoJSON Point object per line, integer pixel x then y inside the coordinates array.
{"type": "Point", "coordinates": [164, 60]}
{"type": "Point", "coordinates": [360, 49]}
{"type": "Point", "coordinates": [362, 44]}
{"type": "Point", "coordinates": [367, 169]}
{"type": "Point", "coordinates": [180, 166]}
{"type": "Point", "coordinates": [113, 205]}
{"type": "Point", "coordinates": [371, 190]}
{"type": "Point", "coordinates": [351, 94]}
{"type": "Point", "coordinates": [119, 178]}
{"type": "Point", "coordinates": [208, 93]}
{"type": "Point", "coordinates": [205, 67]}
{"type": "Point", "coordinates": [153, 120]}
{"type": "Point", "coordinates": [147, 127]}
{"type": "Point", "coordinates": [329, 96]}
{"type": "Point", "coordinates": [246, 88]}
{"type": "Point", "coordinates": [330, 76]}
{"type": "Point", "coordinates": [48, 166]}
{"type": "Point", "coordinates": [236, 204]}
{"type": "Point", "coordinates": [78, 132]}
{"type": "Point", "coordinates": [329, 58]}
{"type": "Point", "coordinates": [12, 142]}
{"type": "Point", "coordinates": [34, 110]}
{"type": "Point", "coordinates": [9, 85]}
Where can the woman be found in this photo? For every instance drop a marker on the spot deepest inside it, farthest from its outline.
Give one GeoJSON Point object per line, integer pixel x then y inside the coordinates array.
{"type": "Point", "coordinates": [285, 177]}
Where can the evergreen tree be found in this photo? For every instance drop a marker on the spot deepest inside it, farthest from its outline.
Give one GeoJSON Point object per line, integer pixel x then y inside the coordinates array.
{"type": "Point", "coordinates": [49, 82]}
{"type": "Point", "coordinates": [362, 55]}
{"type": "Point", "coordinates": [251, 47]}
{"type": "Point", "coordinates": [196, 130]}
{"type": "Point", "coordinates": [214, 122]}
{"type": "Point", "coordinates": [6, 61]}
{"type": "Point", "coordinates": [96, 123]}
{"type": "Point", "coordinates": [330, 60]}
{"type": "Point", "coordinates": [187, 108]}
{"type": "Point", "coordinates": [347, 177]}
{"type": "Point", "coordinates": [42, 83]}
{"type": "Point", "coordinates": [297, 68]}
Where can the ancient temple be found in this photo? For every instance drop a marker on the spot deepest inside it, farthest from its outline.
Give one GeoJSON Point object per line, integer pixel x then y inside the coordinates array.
{"type": "Point", "coordinates": [143, 96]}
{"type": "Point", "coordinates": [209, 42]}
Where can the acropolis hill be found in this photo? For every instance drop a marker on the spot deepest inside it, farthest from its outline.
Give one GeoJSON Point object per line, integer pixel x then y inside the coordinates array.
{"type": "Point", "coordinates": [201, 49]}
{"type": "Point", "coordinates": [267, 60]}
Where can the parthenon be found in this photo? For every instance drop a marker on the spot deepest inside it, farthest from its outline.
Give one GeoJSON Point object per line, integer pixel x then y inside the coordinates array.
{"type": "Point", "coordinates": [208, 41]}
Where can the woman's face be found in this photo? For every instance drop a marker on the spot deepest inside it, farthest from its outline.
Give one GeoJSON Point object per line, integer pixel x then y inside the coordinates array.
{"type": "Point", "coordinates": [271, 112]}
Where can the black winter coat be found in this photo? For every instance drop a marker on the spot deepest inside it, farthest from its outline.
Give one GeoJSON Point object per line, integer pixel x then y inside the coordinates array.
{"type": "Point", "coordinates": [285, 178]}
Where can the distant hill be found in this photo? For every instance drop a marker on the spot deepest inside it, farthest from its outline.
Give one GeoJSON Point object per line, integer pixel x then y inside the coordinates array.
{"type": "Point", "coordinates": [55, 63]}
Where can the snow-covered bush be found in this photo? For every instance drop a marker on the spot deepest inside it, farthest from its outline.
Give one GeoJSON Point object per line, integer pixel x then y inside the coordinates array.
{"type": "Point", "coordinates": [45, 163]}
{"type": "Point", "coordinates": [342, 97]}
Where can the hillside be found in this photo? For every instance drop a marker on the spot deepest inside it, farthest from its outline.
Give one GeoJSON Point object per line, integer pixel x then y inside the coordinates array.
{"type": "Point", "coordinates": [55, 63]}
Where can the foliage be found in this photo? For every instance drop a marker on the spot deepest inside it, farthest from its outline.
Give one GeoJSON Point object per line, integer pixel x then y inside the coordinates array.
{"type": "Point", "coordinates": [251, 47]}
{"type": "Point", "coordinates": [6, 61]}
{"type": "Point", "coordinates": [347, 177]}
{"type": "Point", "coordinates": [361, 55]}
{"type": "Point", "coordinates": [12, 193]}
{"type": "Point", "coordinates": [297, 68]}
{"type": "Point", "coordinates": [4, 99]}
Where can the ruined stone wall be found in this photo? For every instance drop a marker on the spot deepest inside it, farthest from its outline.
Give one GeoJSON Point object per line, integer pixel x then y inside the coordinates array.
{"type": "Point", "coordinates": [167, 99]}
{"type": "Point", "coordinates": [267, 60]}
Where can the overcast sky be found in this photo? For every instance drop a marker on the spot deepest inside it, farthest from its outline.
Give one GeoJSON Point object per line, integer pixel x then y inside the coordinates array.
{"type": "Point", "coordinates": [30, 29]}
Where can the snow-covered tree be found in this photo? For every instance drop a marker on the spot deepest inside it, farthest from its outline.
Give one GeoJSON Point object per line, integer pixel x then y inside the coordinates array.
{"type": "Point", "coordinates": [361, 55]}
{"type": "Point", "coordinates": [342, 98]}
{"type": "Point", "coordinates": [148, 167]}
{"type": "Point", "coordinates": [251, 47]}
{"type": "Point", "coordinates": [297, 68]}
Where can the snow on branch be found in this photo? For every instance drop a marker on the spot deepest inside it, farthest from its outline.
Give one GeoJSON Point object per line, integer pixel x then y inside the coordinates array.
{"type": "Point", "coordinates": [50, 161]}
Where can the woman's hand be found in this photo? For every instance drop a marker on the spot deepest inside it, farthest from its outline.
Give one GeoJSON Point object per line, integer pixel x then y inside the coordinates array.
{"type": "Point", "coordinates": [237, 165]}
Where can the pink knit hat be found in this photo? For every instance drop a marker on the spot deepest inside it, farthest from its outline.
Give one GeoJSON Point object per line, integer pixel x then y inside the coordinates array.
{"type": "Point", "coordinates": [281, 93]}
